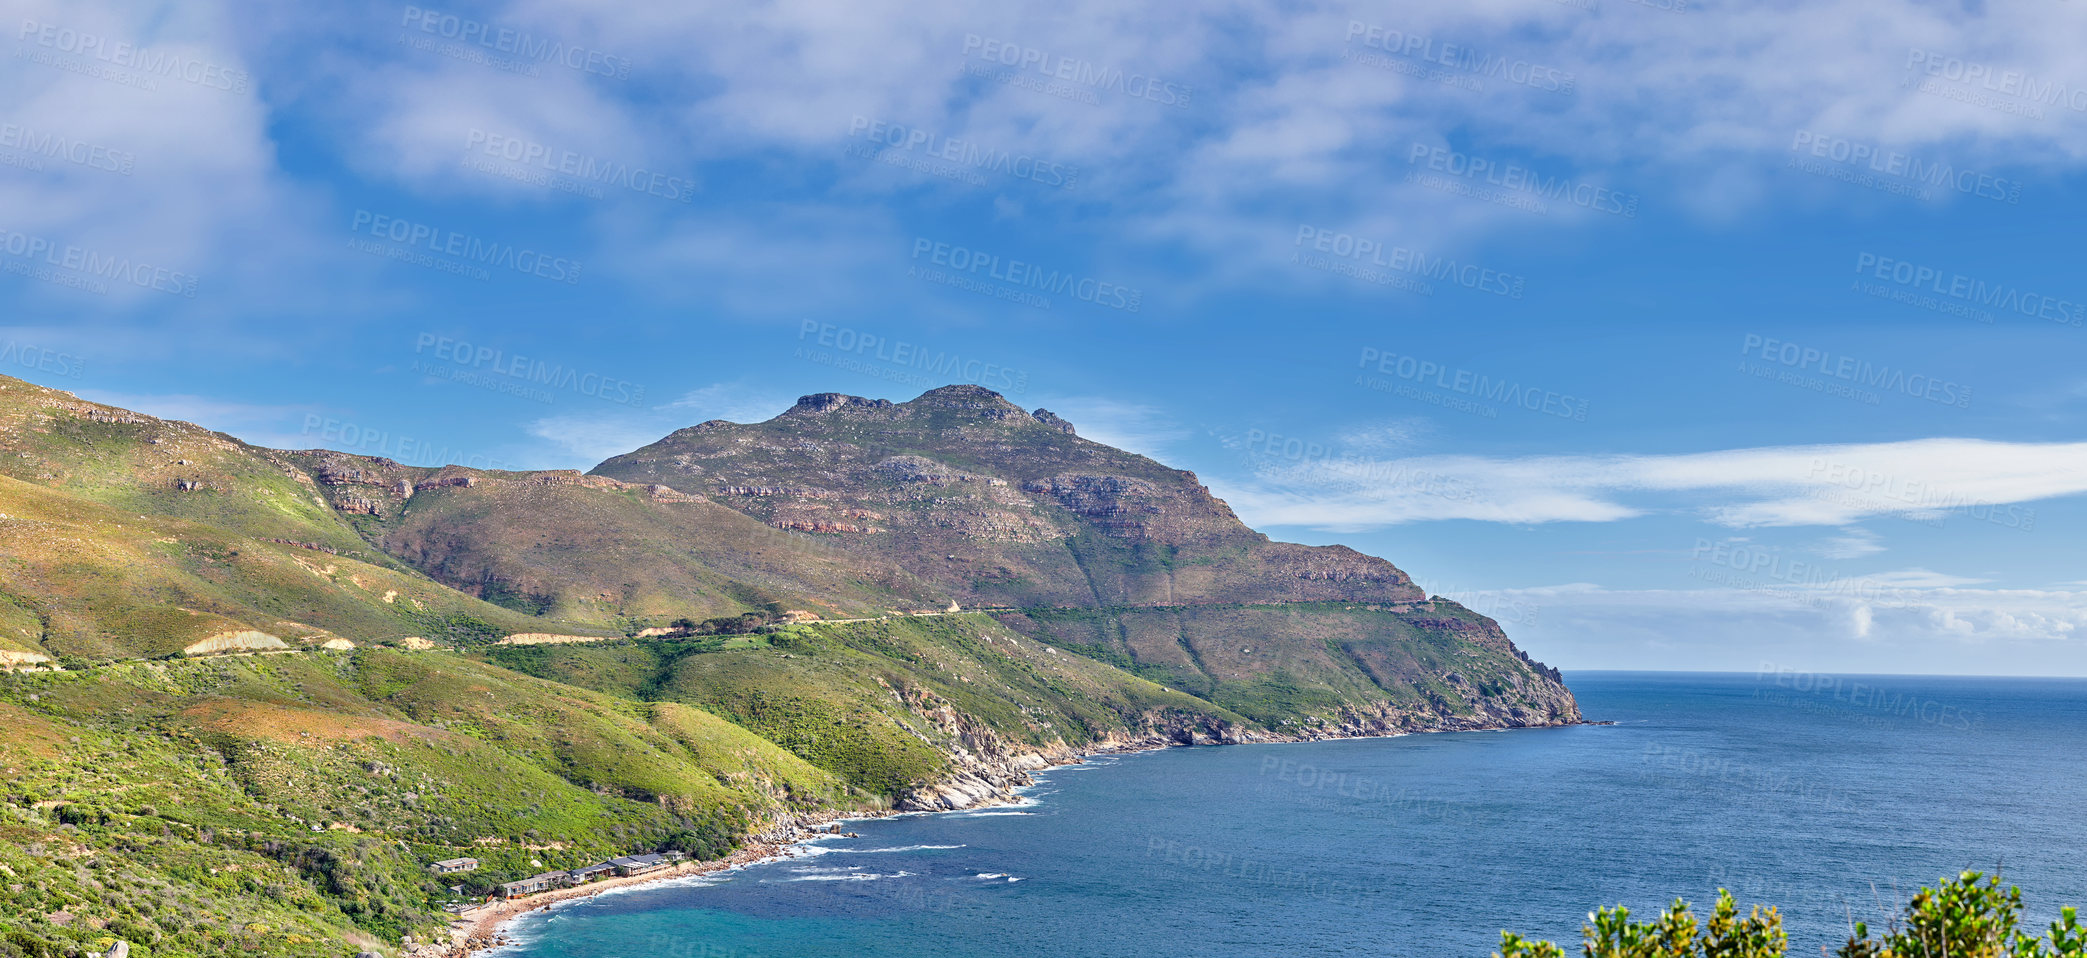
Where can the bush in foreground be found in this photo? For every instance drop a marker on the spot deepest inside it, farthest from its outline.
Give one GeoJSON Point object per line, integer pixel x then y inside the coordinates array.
{"type": "Point", "coordinates": [1970, 917]}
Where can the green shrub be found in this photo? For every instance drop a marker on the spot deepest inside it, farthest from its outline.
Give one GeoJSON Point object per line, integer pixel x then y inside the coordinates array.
{"type": "Point", "coordinates": [1964, 918]}
{"type": "Point", "coordinates": [1967, 918]}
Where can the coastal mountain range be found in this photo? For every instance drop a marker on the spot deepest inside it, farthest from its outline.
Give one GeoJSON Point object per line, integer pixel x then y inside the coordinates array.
{"type": "Point", "coordinates": [321, 671]}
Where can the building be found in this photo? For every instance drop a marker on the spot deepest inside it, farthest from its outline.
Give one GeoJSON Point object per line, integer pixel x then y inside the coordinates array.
{"type": "Point", "coordinates": [638, 864]}
{"type": "Point", "coordinates": [583, 875]}
{"type": "Point", "coordinates": [454, 865]}
{"type": "Point", "coordinates": [534, 884]}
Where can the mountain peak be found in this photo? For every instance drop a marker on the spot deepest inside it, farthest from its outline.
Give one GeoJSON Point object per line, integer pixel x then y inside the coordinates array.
{"type": "Point", "coordinates": [958, 396]}
{"type": "Point", "coordinates": [827, 402]}
{"type": "Point", "coordinates": [963, 394]}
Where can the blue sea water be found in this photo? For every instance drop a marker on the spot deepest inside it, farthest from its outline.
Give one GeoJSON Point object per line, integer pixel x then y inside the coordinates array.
{"type": "Point", "coordinates": [1829, 797]}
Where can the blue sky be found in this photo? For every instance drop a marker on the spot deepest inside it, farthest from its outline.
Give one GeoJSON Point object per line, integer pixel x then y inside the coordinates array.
{"type": "Point", "coordinates": [1673, 335]}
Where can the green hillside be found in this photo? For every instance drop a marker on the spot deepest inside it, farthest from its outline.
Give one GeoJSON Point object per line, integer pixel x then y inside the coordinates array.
{"type": "Point", "coordinates": [249, 694]}
{"type": "Point", "coordinates": [884, 704]}
{"type": "Point", "coordinates": [289, 804]}
{"type": "Point", "coordinates": [1432, 665]}
{"type": "Point", "coordinates": [85, 581]}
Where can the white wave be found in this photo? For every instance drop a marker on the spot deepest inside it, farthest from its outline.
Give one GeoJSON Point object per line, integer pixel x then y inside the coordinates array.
{"type": "Point", "coordinates": [852, 876]}
{"type": "Point", "coordinates": [899, 848]}
{"type": "Point", "coordinates": [806, 850]}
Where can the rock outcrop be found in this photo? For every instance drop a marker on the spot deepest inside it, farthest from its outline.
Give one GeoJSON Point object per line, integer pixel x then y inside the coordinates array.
{"type": "Point", "coordinates": [1052, 420]}
{"type": "Point", "coordinates": [244, 640]}
{"type": "Point", "coordinates": [11, 659]}
{"type": "Point", "coordinates": [545, 638]}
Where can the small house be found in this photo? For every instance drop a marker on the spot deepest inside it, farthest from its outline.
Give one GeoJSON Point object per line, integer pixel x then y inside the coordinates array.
{"type": "Point", "coordinates": [583, 875]}
{"type": "Point", "coordinates": [454, 866]}
{"type": "Point", "coordinates": [638, 864]}
{"type": "Point", "coordinates": [534, 884]}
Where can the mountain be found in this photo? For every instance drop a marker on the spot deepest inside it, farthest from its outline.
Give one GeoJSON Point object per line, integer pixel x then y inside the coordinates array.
{"type": "Point", "coordinates": [250, 693]}
{"type": "Point", "coordinates": [1111, 554]}
{"type": "Point", "coordinates": [999, 507]}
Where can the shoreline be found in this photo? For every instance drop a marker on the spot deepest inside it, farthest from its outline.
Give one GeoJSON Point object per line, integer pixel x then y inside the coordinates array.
{"type": "Point", "coordinates": [485, 928]}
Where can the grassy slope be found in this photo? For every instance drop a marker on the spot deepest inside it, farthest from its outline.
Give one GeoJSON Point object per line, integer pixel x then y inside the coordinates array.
{"type": "Point", "coordinates": [103, 556]}
{"type": "Point", "coordinates": [176, 799]}
{"type": "Point", "coordinates": [851, 698]}
{"type": "Point", "coordinates": [132, 463]}
{"type": "Point", "coordinates": [1283, 663]}
{"type": "Point", "coordinates": [599, 552]}
{"type": "Point", "coordinates": [81, 579]}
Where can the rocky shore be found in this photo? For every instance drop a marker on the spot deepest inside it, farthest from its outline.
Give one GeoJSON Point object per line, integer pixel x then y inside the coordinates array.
{"type": "Point", "coordinates": [988, 770]}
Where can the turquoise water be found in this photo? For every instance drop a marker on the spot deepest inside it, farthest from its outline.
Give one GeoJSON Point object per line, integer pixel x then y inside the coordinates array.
{"type": "Point", "coordinates": [1819, 795]}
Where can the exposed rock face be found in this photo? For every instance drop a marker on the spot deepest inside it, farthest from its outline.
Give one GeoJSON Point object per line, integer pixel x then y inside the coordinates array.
{"type": "Point", "coordinates": [544, 638]}
{"type": "Point", "coordinates": [1052, 420]}
{"type": "Point", "coordinates": [244, 640]}
{"type": "Point", "coordinates": [985, 769]}
{"type": "Point", "coordinates": [827, 402]}
{"type": "Point", "coordinates": [820, 525]}
{"type": "Point", "coordinates": [11, 659]}
{"type": "Point", "coordinates": [1117, 505]}
{"type": "Point", "coordinates": [376, 486]}
{"type": "Point", "coordinates": [798, 491]}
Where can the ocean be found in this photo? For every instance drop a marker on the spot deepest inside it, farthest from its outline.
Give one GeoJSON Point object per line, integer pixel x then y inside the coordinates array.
{"type": "Point", "coordinates": [1831, 797]}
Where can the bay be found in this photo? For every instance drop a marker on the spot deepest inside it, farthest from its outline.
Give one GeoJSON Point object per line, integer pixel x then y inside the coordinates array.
{"type": "Point", "coordinates": [1830, 797]}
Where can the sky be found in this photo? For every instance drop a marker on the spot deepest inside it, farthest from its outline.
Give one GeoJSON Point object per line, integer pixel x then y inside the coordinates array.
{"type": "Point", "coordinates": [1672, 334]}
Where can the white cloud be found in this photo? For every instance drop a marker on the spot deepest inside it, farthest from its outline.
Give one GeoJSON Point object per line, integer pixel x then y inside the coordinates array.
{"type": "Point", "coordinates": [1282, 125]}
{"type": "Point", "coordinates": [1915, 578]}
{"type": "Point", "coordinates": [1135, 427]}
{"type": "Point", "coordinates": [1899, 629]}
{"type": "Point", "coordinates": [1862, 618]}
{"type": "Point", "coordinates": [1832, 485]}
{"type": "Point", "coordinates": [196, 201]}
{"type": "Point", "coordinates": [1851, 544]}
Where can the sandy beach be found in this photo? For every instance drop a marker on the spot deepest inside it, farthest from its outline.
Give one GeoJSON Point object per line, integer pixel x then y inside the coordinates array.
{"type": "Point", "coordinates": [484, 927]}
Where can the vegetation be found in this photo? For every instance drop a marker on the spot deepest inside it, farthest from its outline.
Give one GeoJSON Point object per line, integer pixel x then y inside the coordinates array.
{"type": "Point", "coordinates": [1970, 916]}
{"type": "Point", "coordinates": [250, 694]}
{"type": "Point", "coordinates": [849, 697]}
{"type": "Point", "coordinates": [281, 804]}
{"type": "Point", "coordinates": [1300, 661]}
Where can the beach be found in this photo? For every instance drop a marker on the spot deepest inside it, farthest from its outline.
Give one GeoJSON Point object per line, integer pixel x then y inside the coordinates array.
{"type": "Point", "coordinates": [484, 927]}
